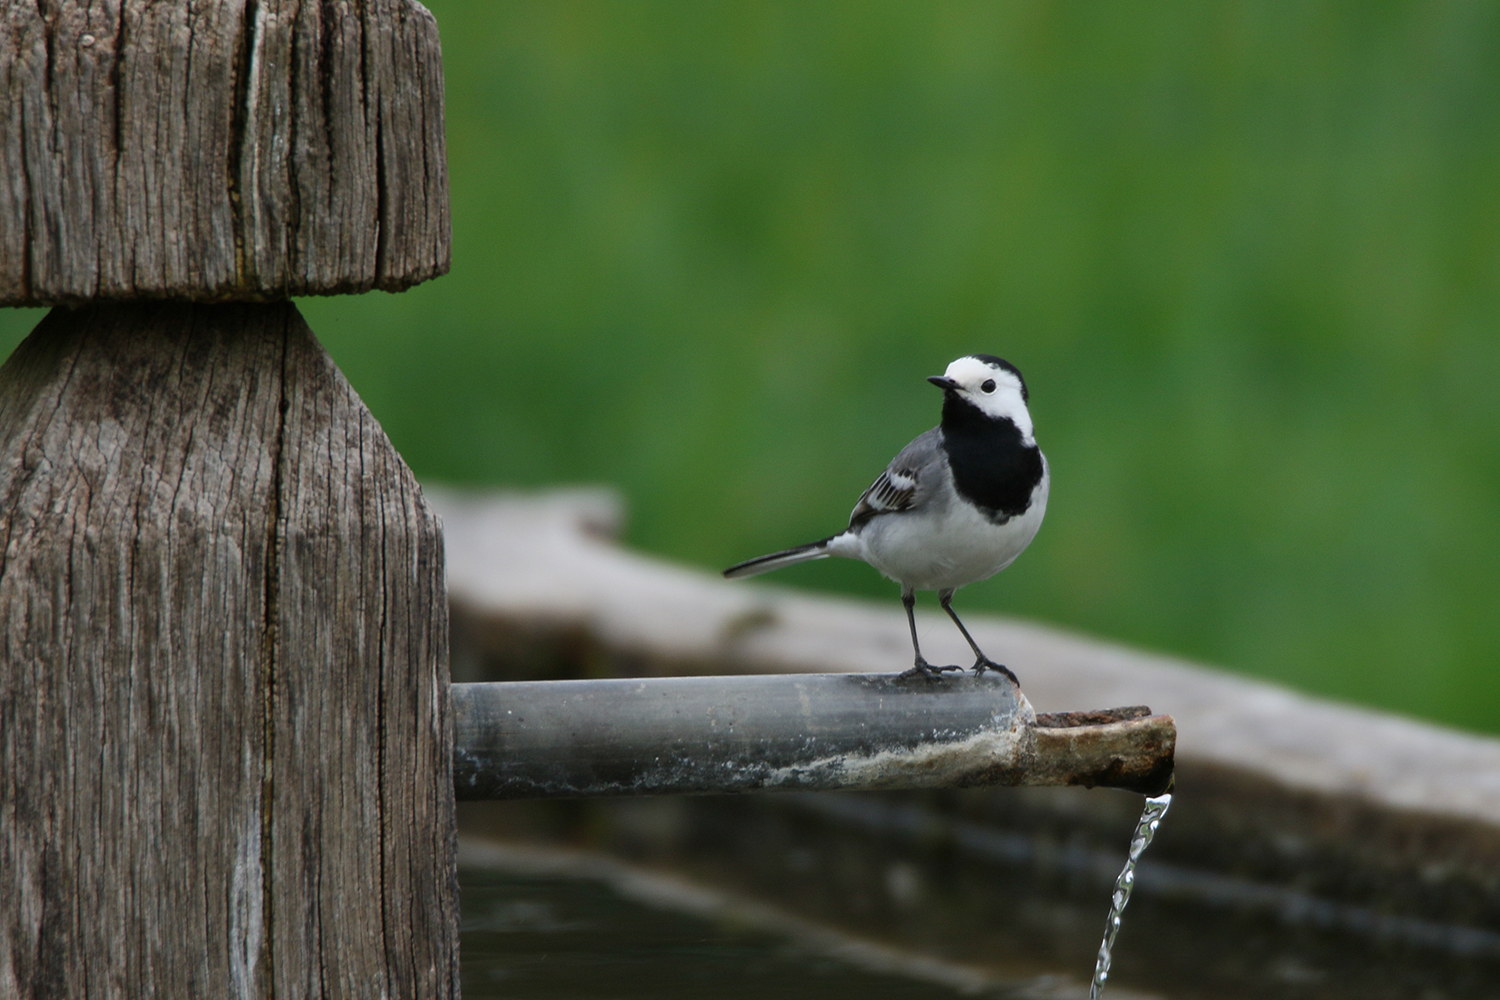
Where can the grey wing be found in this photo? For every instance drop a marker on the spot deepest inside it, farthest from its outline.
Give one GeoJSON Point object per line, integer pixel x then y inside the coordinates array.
{"type": "Point", "coordinates": [906, 482]}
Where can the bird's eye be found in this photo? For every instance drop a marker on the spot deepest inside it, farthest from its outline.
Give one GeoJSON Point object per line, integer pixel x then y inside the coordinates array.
{"type": "Point", "coordinates": [989, 385]}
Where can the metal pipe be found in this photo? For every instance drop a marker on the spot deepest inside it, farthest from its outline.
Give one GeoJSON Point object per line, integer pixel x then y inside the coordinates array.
{"type": "Point", "coordinates": [660, 735]}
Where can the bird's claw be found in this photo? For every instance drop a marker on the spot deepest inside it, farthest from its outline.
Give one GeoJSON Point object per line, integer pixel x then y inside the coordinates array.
{"type": "Point", "coordinates": [985, 663]}
{"type": "Point", "coordinates": [924, 669]}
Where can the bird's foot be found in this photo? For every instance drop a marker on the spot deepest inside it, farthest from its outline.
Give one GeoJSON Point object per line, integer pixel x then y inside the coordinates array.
{"type": "Point", "coordinates": [924, 669]}
{"type": "Point", "coordinates": [985, 663]}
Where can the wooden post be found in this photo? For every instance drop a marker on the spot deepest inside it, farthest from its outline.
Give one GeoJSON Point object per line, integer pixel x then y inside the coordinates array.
{"type": "Point", "coordinates": [225, 749]}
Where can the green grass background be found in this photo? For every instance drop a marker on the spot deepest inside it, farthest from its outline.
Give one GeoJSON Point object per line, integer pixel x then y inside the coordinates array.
{"type": "Point", "coordinates": [1247, 254]}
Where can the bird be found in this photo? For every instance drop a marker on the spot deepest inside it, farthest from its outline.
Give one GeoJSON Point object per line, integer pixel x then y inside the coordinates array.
{"type": "Point", "coordinates": [957, 505]}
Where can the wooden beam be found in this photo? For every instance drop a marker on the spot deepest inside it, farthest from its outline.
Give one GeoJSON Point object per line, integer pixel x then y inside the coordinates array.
{"type": "Point", "coordinates": [224, 745]}
{"type": "Point", "coordinates": [1272, 784]}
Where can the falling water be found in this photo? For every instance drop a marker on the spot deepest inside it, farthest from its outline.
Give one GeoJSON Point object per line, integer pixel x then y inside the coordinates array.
{"type": "Point", "coordinates": [1145, 829]}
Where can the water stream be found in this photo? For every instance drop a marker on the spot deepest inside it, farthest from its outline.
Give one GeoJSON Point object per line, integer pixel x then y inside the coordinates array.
{"type": "Point", "coordinates": [1156, 807]}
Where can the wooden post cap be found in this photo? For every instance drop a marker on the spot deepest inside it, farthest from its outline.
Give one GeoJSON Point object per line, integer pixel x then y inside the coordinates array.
{"type": "Point", "coordinates": [235, 150]}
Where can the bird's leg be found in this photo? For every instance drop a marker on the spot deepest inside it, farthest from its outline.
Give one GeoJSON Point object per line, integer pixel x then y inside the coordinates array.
{"type": "Point", "coordinates": [981, 662]}
{"type": "Point", "coordinates": [921, 667]}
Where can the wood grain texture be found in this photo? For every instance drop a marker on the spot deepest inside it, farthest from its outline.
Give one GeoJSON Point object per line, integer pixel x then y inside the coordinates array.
{"type": "Point", "coordinates": [224, 743]}
{"type": "Point", "coordinates": [233, 150]}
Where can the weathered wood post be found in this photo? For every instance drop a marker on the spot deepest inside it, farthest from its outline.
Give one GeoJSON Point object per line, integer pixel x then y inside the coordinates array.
{"type": "Point", "coordinates": [224, 737]}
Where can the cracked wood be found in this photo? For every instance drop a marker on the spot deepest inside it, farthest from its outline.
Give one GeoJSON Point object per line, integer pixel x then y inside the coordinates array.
{"type": "Point", "coordinates": [242, 150]}
{"type": "Point", "coordinates": [224, 751]}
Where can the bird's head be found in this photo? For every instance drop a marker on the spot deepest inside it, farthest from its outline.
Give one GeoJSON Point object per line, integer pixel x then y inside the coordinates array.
{"type": "Point", "coordinates": [991, 385]}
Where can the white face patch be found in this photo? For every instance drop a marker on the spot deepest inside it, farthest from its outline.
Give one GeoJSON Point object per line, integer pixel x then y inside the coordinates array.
{"type": "Point", "coordinates": [1004, 400]}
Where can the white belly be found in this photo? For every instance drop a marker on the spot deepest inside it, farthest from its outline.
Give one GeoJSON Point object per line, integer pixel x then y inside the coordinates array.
{"type": "Point", "coordinates": [948, 548]}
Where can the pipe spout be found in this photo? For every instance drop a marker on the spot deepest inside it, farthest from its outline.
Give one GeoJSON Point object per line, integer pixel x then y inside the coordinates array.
{"type": "Point", "coordinates": [699, 735]}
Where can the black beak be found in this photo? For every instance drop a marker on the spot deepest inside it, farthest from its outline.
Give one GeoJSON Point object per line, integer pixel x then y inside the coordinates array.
{"type": "Point", "coordinates": [942, 382]}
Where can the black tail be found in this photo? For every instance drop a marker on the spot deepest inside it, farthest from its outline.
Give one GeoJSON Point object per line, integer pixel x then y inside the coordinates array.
{"type": "Point", "coordinates": [776, 560]}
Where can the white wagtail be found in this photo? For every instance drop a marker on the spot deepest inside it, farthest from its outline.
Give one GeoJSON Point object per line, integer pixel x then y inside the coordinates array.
{"type": "Point", "coordinates": [958, 505]}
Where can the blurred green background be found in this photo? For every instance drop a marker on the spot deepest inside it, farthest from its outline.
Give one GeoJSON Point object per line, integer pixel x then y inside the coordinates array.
{"type": "Point", "coordinates": [1247, 254]}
